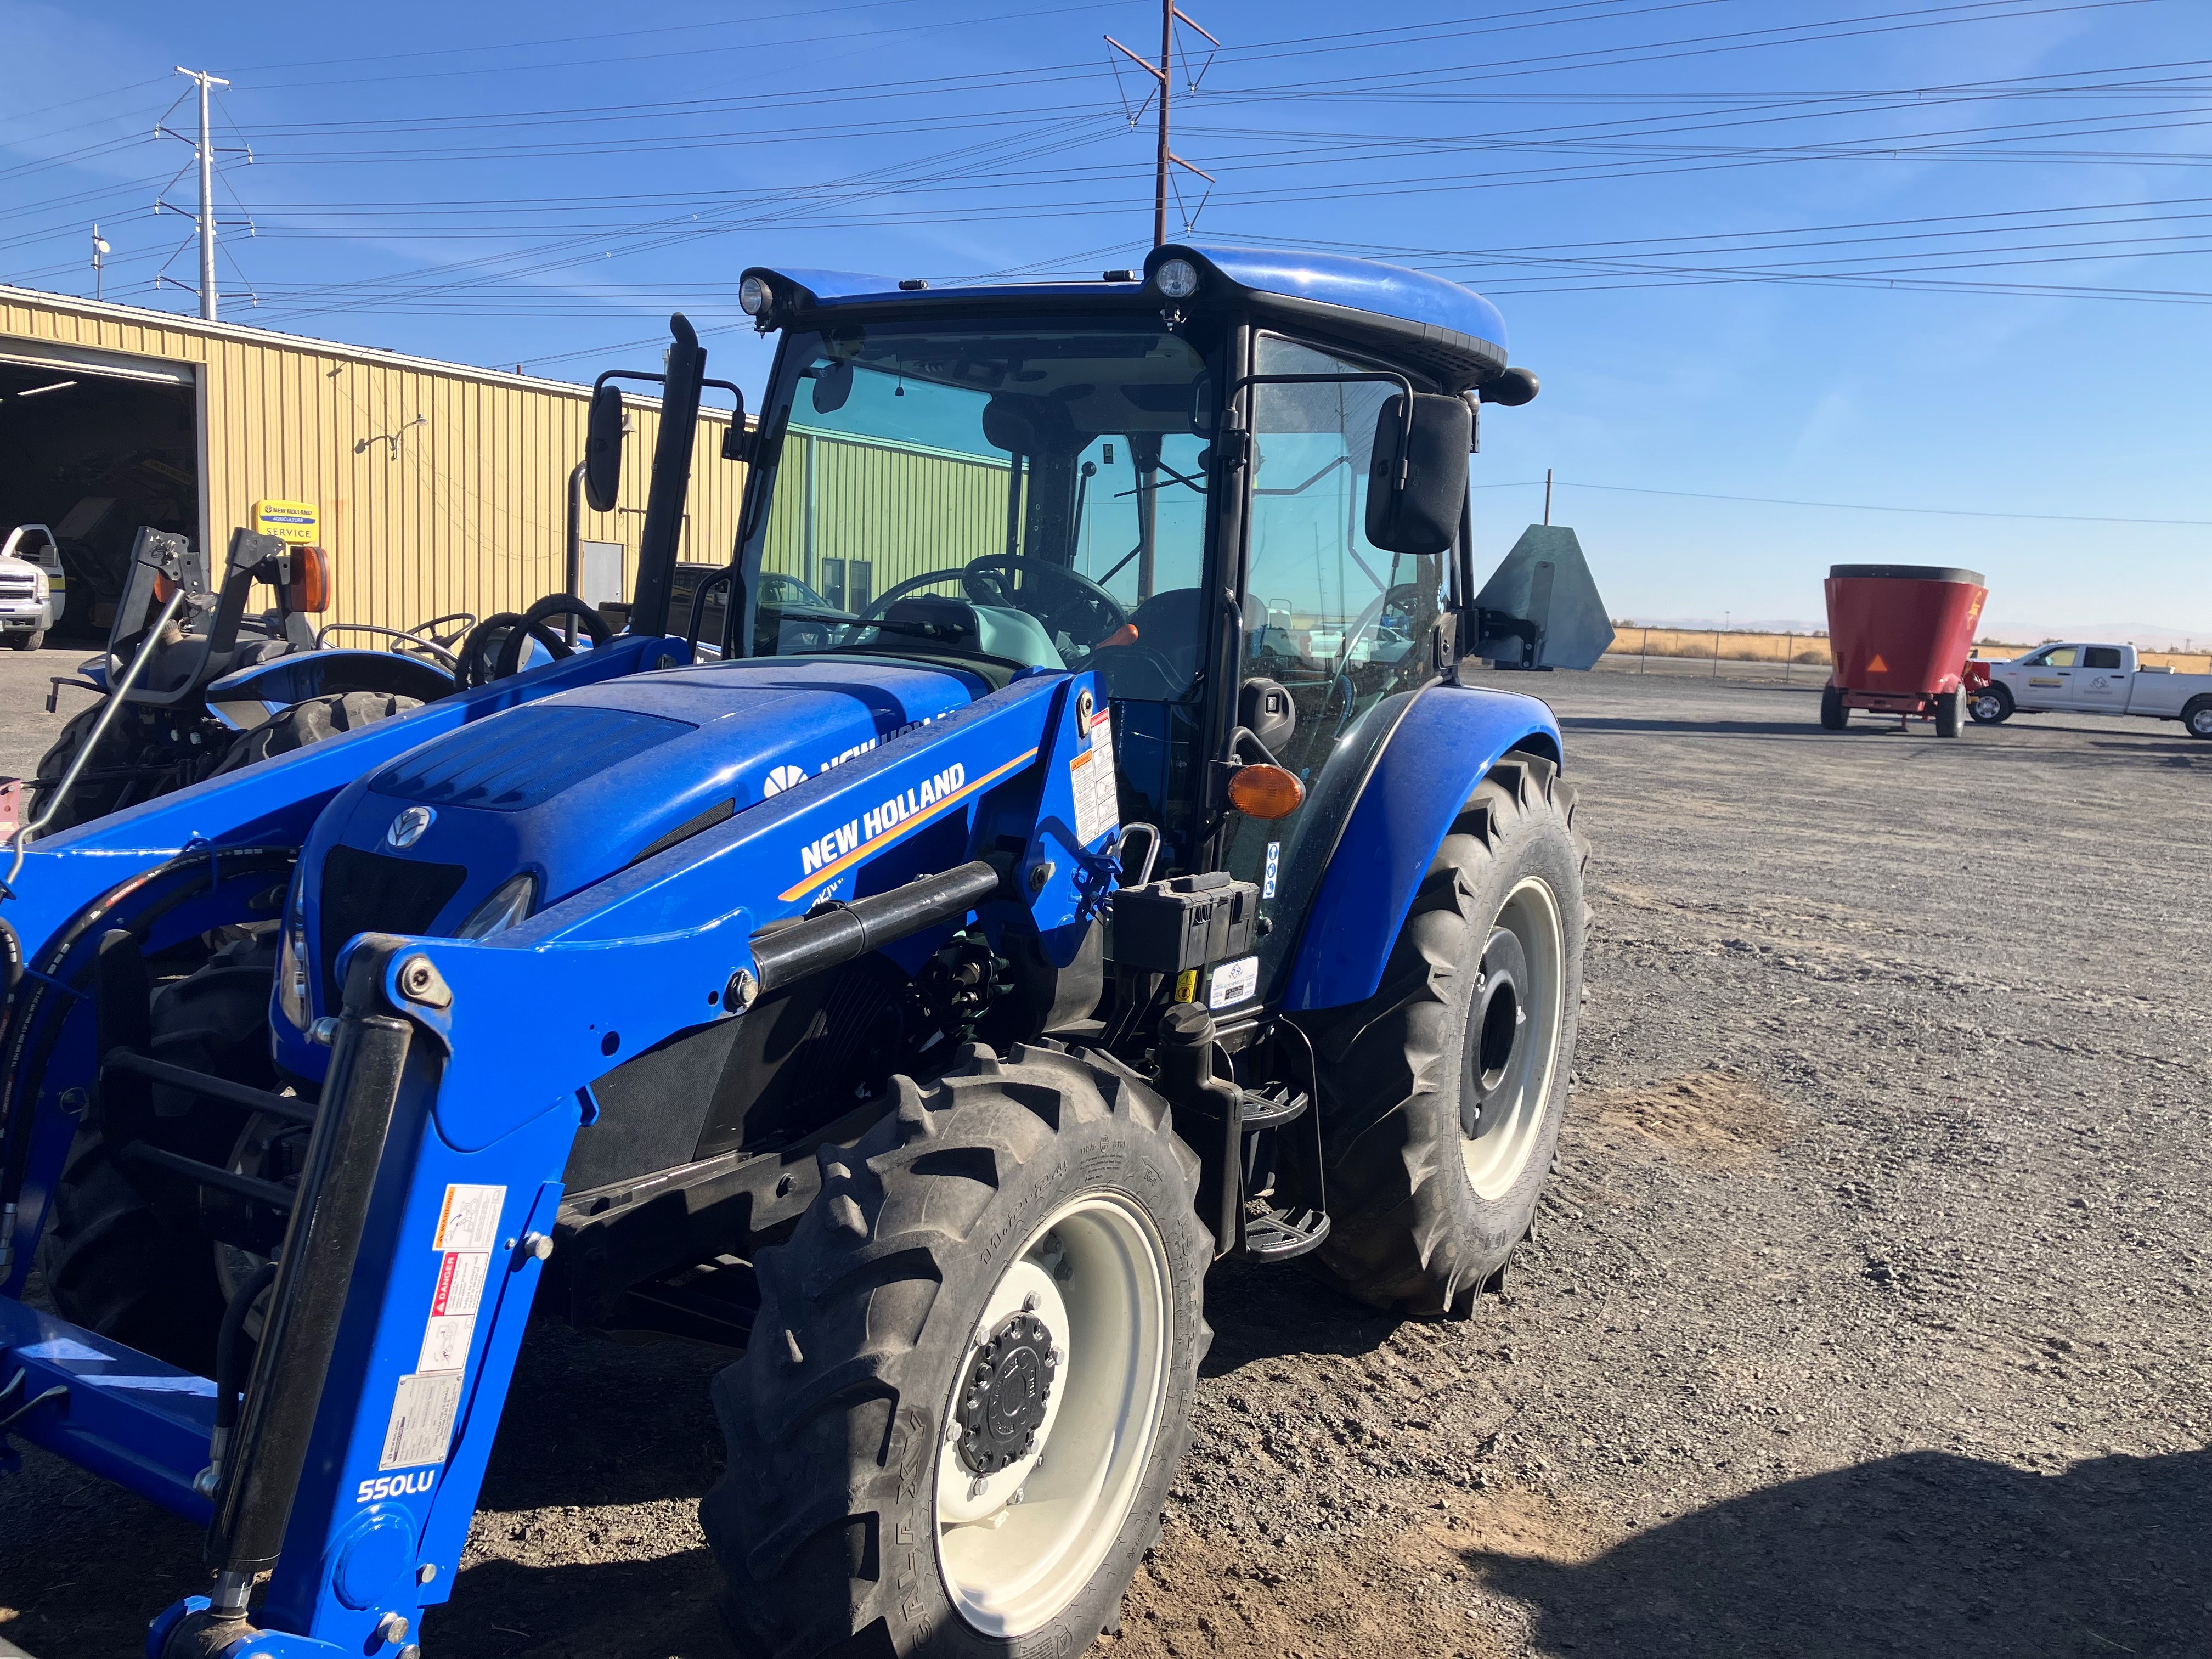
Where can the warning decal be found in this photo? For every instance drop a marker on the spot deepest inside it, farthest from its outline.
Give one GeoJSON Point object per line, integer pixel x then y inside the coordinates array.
{"type": "Point", "coordinates": [445, 1343]}
{"type": "Point", "coordinates": [468, 1219]}
{"type": "Point", "coordinates": [460, 1283]}
{"type": "Point", "coordinates": [1091, 775]}
{"type": "Point", "coordinates": [422, 1425]}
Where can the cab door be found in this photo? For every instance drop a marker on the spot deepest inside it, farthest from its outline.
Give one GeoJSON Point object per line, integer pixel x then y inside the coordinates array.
{"type": "Point", "coordinates": [2101, 680]}
{"type": "Point", "coordinates": [2049, 677]}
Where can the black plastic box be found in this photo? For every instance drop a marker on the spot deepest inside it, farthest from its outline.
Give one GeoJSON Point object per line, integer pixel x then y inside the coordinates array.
{"type": "Point", "coordinates": [1187, 921]}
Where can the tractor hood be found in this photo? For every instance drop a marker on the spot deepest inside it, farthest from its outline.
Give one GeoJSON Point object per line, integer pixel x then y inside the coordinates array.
{"type": "Point", "coordinates": [576, 786]}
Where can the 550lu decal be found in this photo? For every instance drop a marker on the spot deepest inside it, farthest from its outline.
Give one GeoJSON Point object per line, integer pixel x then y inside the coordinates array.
{"type": "Point", "coordinates": [395, 1486]}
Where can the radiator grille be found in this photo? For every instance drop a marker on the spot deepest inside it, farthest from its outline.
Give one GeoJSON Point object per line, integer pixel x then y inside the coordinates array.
{"type": "Point", "coordinates": [369, 893]}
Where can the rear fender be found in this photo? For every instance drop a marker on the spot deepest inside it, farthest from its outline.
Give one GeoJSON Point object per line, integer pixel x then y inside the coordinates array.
{"type": "Point", "coordinates": [1444, 745]}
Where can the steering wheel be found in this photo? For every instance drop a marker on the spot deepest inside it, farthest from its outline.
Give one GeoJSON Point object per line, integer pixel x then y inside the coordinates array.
{"type": "Point", "coordinates": [1086, 614]}
{"type": "Point", "coordinates": [506, 632]}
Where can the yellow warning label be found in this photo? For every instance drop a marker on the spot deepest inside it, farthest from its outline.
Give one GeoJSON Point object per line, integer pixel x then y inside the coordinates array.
{"type": "Point", "coordinates": [1187, 984]}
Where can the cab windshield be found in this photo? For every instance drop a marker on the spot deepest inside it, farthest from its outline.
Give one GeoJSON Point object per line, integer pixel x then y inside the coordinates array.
{"type": "Point", "coordinates": [1023, 496]}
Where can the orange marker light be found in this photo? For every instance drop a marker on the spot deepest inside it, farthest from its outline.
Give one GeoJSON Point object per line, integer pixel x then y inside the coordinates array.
{"type": "Point", "coordinates": [311, 578]}
{"type": "Point", "coordinates": [1265, 792]}
{"type": "Point", "coordinates": [164, 589]}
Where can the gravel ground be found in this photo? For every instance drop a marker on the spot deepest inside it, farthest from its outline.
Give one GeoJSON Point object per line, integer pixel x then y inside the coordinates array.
{"type": "Point", "coordinates": [1867, 1313]}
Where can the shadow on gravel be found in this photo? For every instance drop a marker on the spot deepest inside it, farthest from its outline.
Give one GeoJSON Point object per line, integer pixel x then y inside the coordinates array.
{"type": "Point", "coordinates": [504, 1610]}
{"type": "Point", "coordinates": [1925, 1554]}
{"type": "Point", "coordinates": [623, 1424]}
{"type": "Point", "coordinates": [1264, 1313]}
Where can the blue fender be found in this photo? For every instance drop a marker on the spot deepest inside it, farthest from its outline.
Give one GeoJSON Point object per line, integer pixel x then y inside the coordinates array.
{"type": "Point", "coordinates": [1449, 738]}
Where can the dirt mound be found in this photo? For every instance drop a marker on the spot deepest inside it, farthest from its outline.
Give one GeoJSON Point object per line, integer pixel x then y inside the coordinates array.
{"type": "Point", "coordinates": [1718, 1118]}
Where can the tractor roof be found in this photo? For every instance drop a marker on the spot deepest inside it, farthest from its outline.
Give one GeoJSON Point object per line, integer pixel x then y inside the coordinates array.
{"type": "Point", "coordinates": [1437, 324]}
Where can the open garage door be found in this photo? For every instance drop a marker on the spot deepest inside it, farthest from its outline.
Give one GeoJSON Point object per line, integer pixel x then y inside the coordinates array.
{"type": "Point", "coordinates": [94, 444]}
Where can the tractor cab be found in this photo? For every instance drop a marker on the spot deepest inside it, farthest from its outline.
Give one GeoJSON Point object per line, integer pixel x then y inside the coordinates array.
{"type": "Point", "coordinates": [1232, 484]}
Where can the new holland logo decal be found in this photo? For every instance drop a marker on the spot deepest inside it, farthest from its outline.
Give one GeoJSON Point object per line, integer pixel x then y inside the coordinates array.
{"type": "Point", "coordinates": [829, 855]}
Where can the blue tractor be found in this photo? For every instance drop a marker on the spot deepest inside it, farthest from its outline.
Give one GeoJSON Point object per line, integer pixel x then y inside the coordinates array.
{"type": "Point", "coordinates": [1077, 860]}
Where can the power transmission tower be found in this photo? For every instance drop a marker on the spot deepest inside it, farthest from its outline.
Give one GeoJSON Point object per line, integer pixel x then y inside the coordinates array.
{"type": "Point", "coordinates": [1163, 72]}
{"type": "Point", "coordinates": [204, 154]}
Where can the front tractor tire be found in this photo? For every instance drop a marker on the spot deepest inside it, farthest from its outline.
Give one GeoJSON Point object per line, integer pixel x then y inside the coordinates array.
{"type": "Point", "coordinates": [1442, 1094]}
{"type": "Point", "coordinates": [971, 1376]}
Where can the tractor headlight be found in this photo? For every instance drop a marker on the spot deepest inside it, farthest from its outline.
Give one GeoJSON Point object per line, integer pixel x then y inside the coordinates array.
{"type": "Point", "coordinates": [291, 994]}
{"type": "Point", "coordinates": [512, 903]}
{"type": "Point", "coordinates": [754, 296]}
{"type": "Point", "coordinates": [1176, 278]}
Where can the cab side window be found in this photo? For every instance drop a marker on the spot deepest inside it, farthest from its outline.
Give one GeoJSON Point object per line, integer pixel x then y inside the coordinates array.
{"type": "Point", "coordinates": [2059, 656]}
{"type": "Point", "coordinates": [2101, 656]}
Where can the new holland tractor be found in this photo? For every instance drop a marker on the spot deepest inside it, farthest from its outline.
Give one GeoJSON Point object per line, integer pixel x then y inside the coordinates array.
{"type": "Point", "coordinates": [1081, 862]}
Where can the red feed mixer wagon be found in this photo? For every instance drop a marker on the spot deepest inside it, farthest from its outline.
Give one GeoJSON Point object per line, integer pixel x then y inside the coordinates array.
{"type": "Point", "coordinates": [1899, 635]}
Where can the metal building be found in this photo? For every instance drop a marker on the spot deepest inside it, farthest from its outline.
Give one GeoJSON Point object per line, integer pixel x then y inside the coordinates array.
{"type": "Point", "coordinates": [436, 487]}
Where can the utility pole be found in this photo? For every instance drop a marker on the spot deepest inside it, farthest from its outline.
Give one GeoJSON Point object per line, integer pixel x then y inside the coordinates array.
{"type": "Point", "coordinates": [204, 150]}
{"type": "Point", "coordinates": [1548, 494]}
{"type": "Point", "coordinates": [100, 250]}
{"type": "Point", "coordinates": [206, 156]}
{"type": "Point", "coordinates": [1163, 73]}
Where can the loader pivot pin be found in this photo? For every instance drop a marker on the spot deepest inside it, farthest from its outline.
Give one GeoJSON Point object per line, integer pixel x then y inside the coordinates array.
{"type": "Point", "coordinates": [1002, 1402]}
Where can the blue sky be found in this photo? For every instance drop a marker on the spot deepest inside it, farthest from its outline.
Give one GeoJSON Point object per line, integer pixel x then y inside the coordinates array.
{"type": "Point", "coordinates": [1950, 256]}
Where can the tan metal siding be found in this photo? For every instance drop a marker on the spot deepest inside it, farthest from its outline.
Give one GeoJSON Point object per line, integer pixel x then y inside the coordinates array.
{"type": "Point", "coordinates": [467, 512]}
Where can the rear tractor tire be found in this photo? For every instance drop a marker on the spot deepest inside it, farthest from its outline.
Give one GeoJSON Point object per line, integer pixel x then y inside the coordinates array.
{"type": "Point", "coordinates": [972, 1372]}
{"type": "Point", "coordinates": [315, 720]}
{"type": "Point", "coordinates": [1442, 1095]}
{"type": "Point", "coordinates": [1834, 716]}
{"type": "Point", "coordinates": [1949, 705]}
{"type": "Point", "coordinates": [1991, 706]}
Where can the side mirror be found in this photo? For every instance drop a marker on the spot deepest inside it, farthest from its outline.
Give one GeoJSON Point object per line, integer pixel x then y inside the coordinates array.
{"type": "Point", "coordinates": [603, 447]}
{"type": "Point", "coordinates": [832, 386]}
{"type": "Point", "coordinates": [1416, 482]}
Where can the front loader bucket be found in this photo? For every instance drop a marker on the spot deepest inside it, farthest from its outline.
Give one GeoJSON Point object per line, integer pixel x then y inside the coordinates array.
{"type": "Point", "coordinates": [1540, 608]}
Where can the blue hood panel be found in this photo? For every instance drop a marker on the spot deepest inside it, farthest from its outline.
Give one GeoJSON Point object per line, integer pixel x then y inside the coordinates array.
{"type": "Point", "coordinates": [577, 785]}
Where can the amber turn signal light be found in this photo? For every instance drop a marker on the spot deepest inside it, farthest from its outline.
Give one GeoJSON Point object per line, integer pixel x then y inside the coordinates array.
{"type": "Point", "coordinates": [311, 578]}
{"type": "Point", "coordinates": [1265, 792]}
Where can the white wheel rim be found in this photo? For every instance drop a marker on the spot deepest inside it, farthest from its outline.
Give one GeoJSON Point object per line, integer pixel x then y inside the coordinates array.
{"type": "Point", "coordinates": [1016, 1547]}
{"type": "Point", "coordinates": [1498, 1153]}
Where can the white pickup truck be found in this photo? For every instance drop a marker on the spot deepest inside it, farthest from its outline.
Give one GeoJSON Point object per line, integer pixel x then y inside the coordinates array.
{"type": "Point", "coordinates": [2093, 679]}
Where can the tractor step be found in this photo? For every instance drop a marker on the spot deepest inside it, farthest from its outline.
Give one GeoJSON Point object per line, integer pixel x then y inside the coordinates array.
{"type": "Point", "coordinates": [1274, 1235]}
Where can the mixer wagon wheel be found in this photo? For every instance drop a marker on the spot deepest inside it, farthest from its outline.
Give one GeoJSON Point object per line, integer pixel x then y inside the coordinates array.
{"type": "Point", "coordinates": [1991, 706]}
{"type": "Point", "coordinates": [971, 1375]}
{"type": "Point", "coordinates": [1442, 1095]}
{"type": "Point", "coordinates": [1834, 717]}
{"type": "Point", "coordinates": [1948, 706]}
